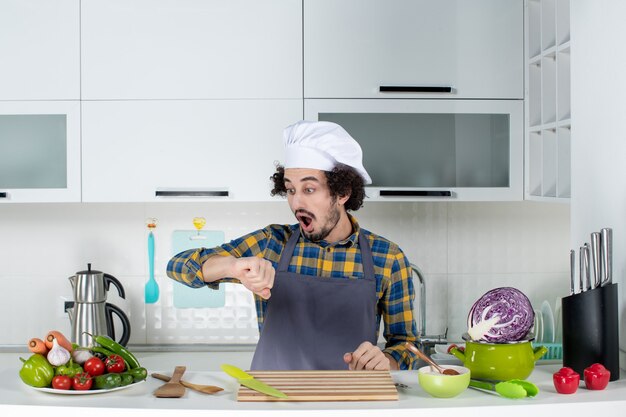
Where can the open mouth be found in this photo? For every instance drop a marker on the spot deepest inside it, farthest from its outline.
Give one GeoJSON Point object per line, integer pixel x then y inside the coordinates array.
{"type": "Point", "coordinates": [306, 220]}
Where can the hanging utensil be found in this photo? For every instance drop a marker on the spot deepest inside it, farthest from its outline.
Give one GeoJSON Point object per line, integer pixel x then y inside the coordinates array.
{"type": "Point", "coordinates": [607, 255]}
{"type": "Point", "coordinates": [152, 288]}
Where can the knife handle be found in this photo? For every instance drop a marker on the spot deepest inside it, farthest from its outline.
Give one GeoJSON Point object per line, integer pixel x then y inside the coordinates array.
{"type": "Point", "coordinates": [584, 265]}
{"type": "Point", "coordinates": [587, 267]}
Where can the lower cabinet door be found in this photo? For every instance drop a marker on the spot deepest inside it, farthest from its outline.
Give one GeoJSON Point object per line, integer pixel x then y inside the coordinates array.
{"type": "Point", "coordinates": [188, 150]}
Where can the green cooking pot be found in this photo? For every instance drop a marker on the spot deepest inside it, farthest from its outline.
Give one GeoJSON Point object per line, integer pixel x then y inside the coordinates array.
{"type": "Point", "coordinates": [499, 361]}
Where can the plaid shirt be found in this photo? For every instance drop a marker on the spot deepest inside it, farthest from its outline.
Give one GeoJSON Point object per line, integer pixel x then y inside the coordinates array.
{"type": "Point", "coordinates": [394, 285]}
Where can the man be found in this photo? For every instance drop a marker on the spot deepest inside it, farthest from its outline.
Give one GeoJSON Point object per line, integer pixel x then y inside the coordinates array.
{"type": "Point", "coordinates": [322, 285]}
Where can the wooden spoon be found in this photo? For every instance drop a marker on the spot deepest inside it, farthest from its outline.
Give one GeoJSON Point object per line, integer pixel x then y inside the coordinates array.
{"type": "Point", "coordinates": [207, 389]}
{"type": "Point", "coordinates": [445, 371]}
{"type": "Point", "coordinates": [172, 389]}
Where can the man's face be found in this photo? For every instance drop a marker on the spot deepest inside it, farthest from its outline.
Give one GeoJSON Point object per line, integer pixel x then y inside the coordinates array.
{"type": "Point", "coordinates": [310, 200]}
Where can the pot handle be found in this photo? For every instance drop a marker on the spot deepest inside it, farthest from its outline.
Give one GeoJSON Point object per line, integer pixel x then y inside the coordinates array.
{"type": "Point", "coordinates": [457, 352]}
{"type": "Point", "coordinates": [539, 351]}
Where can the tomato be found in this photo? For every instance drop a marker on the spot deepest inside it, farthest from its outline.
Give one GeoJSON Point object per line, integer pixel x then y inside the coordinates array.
{"type": "Point", "coordinates": [115, 364]}
{"type": "Point", "coordinates": [82, 381]}
{"type": "Point", "coordinates": [62, 382]}
{"type": "Point", "coordinates": [94, 366]}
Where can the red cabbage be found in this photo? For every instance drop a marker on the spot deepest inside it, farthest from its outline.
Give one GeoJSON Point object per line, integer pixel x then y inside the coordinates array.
{"type": "Point", "coordinates": [501, 315]}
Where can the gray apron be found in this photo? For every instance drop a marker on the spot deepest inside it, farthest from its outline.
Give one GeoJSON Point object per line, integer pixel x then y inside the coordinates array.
{"type": "Point", "coordinates": [311, 322]}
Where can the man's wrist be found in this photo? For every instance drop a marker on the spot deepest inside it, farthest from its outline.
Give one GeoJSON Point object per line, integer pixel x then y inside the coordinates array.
{"type": "Point", "coordinates": [393, 365]}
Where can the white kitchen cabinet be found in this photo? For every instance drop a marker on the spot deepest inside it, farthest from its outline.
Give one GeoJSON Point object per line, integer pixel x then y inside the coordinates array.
{"type": "Point", "coordinates": [548, 104]}
{"type": "Point", "coordinates": [39, 151]}
{"type": "Point", "coordinates": [354, 47]}
{"type": "Point", "coordinates": [39, 46]}
{"type": "Point", "coordinates": [182, 150]}
{"type": "Point", "coordinates": [191, 49]}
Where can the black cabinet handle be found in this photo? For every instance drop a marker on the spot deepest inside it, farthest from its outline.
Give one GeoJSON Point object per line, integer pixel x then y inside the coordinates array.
{"type": "Point", "coordinates": [3, 194]}
{"type": "Point", "coordinates": [414, 193]}
{"type": "Point", "coordinates": [414, 89]}
{"type": "Point", "coordinates": [183, 193]}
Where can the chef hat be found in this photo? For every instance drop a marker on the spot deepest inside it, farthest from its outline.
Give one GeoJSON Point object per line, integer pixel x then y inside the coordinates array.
{"type": "Point", "coordinates": [322, 145]}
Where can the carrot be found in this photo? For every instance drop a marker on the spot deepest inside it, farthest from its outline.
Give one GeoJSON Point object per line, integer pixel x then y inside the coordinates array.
{"type": "Point", "coordinates": [37, 345]}
{"type": "Point", "coordinates": [61, 340]}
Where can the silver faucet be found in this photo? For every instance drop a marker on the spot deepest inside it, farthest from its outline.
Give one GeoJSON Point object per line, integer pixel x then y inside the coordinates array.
{"type": "Point", "coordinates": [425, 342]}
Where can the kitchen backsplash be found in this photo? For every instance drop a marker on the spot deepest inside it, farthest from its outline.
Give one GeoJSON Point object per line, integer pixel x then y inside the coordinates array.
{"type": "Point", "coordinates": [463, 249]}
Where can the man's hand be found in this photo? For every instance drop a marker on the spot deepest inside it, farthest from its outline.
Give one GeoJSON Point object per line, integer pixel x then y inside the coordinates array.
{"type": "Point", "coordinates": [256, 274]}
{"type": "Point", "coordinates": [368, 357]}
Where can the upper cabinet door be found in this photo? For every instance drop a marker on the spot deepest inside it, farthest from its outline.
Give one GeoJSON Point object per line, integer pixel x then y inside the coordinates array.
{"type": "Point", "coordinates": [39, 151]}
{"type": "Point", "coordinates": [39, 50]}
{"type": "Point", "coordinates": [183, 150]}
{"type": "Point", "coordinates": [354, 47]}
{"type": "Point", "coordinates": [191, 49]}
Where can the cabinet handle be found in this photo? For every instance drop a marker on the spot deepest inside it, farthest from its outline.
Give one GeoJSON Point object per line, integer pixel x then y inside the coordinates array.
{"type": "Point", "coordinates": [414, 193]}
{"type": "Point", "coordinates": [3, 194]}
{"type": "Point", "coordinates": [414, 89]}
{"type": "Point", "coordinates": [189, 193]}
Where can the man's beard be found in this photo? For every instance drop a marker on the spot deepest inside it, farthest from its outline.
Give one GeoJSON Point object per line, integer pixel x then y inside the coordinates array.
{"type": "Point", "coordinates": [328, 227]}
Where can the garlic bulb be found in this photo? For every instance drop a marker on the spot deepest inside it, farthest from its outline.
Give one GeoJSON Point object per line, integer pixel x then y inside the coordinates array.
{"type": "Point", "coordinates": [81, 356]}
{"type": "Point", "coordinates": [58, 355]}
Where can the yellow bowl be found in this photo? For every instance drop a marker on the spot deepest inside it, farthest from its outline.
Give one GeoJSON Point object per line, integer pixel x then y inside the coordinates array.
{"type": "Point", "coordinates": [443, 386]}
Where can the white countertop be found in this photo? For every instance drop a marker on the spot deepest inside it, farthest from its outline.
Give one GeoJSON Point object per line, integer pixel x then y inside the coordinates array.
{"type": "Point", "coordinates": [16, 398]}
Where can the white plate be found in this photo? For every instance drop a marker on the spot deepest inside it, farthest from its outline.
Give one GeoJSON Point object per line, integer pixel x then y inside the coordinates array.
{"type": "Point", "coordinates": [548, 322]}
{"type": "Point", "coordinates": [538, 326]}
{"type": "Point", "coordinates": [86, 392]}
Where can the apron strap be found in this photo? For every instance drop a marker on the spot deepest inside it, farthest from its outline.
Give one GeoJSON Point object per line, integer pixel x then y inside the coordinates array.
{"type": "Point", "coordinates": [366, 254]}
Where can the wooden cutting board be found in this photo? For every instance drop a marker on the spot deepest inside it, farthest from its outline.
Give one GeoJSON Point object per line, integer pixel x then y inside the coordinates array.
{"type": "Point", "coordinates": [324, 386]}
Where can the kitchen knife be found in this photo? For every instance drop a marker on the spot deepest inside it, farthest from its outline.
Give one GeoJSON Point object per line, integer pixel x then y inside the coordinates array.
{"type": "Point", "coordinates": [587, 267]}
{"type": "Point", "coordinates": [595, 260]}
{"type": "Point", "coordinates": [581, 269]}
{"type": "Point", "coordinates": [249, 381]}
{"type": "Point", "coordinates": [607, 255]}
{"type": "Point", "coordinates": [572, 271]}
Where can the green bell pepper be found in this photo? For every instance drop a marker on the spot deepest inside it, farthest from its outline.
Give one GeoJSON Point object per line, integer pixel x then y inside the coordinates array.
{"type": "Point", "coordinates": [37, 371]}
{"type": "Point", "coordinates": [108, 381]}
{"type": "Point", "coordinates": [70, 369]}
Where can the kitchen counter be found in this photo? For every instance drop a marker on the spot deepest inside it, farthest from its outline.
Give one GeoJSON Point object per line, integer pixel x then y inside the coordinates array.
{"type": "Point", "coordinates": [16, 398]}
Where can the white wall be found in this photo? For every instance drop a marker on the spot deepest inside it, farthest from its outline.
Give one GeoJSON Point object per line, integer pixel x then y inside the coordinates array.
{"type": "Point", "coordinates": [598, 66]}
{"type": "Point", "coordinates": [464, 249]}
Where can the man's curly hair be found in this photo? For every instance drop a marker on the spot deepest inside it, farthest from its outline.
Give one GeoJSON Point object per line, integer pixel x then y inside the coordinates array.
{"type": "Point", "coordinates": [342, 180]}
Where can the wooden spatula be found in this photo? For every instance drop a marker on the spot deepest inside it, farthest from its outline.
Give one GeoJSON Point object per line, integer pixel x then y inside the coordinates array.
{"type": "Point", "coordinates": [172, 389]}
{"type": "Point", "coordinates": [207, 389]}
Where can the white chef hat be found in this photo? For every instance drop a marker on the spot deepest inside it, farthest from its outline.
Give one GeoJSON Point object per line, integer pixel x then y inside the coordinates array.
{"type": "Point", "coordinates": [322, 145]}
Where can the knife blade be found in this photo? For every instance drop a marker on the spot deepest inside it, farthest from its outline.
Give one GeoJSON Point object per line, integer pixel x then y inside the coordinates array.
{"type": "Point", "coordinates": [607, 255]}
{"type": "Point", "coordinates": [581, 269]}
{"type": "Point", "coordinates": [587, 267]}
{"type": "Point", "coordinates": [596, 263]}
{"type": "Point", "coordinates": [572, 271]}
{"type": "Point", "coordinates": [249, 381]}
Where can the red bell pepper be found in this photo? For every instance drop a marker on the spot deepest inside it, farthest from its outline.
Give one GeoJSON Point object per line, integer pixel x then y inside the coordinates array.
{"type": "Point", "coordinates": [597, 377]}
{"type": "Point", "coordinates": [566, 380]}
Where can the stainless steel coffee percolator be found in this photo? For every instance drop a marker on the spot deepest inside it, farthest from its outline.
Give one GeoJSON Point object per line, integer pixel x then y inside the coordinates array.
{"type": "Point", "coordinates": [90, 313]}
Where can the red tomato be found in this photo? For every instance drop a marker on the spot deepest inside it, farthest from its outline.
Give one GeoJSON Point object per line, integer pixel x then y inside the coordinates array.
{"type": "Point", "coordinates": [61, 382]}
{"type": "Point", "coordinates": [115, 364]}
{"type": "Point", "coordinates": [82, 381]}
{"type": "Point", "coordinates": [94, 366]}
